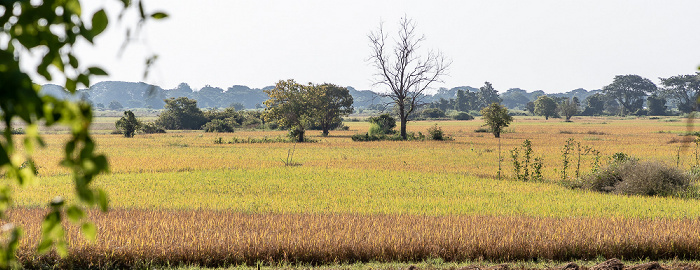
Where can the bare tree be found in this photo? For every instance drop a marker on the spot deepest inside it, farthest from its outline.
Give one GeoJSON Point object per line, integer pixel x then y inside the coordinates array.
{"type": "Point", "coordinates": [404, 70]}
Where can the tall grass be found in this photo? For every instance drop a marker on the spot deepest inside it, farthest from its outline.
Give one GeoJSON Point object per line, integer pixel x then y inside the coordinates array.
{"type": "Point", "coordinates": [219, 238]}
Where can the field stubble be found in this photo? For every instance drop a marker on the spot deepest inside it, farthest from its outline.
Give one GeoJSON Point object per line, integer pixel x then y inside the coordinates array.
{"type": "Point", "coordinates": [182, 198]}
{"type": "Point", "coordinates": [220, 238]}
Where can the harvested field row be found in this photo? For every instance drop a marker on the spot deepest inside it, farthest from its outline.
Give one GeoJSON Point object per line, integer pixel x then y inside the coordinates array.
{"type": "Point", "coordinates": [218, 238]}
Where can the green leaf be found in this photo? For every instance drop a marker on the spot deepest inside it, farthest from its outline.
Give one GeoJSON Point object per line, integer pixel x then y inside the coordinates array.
{"type": "Point", "coordinates": [44, 246]}
{"type": "Point", "coordinates": [159, 15]}
{"type": "Point", "coordinates": [143, 14]}
{"type": "Point", "coordinates": [99, 22]}
{"type": "Point", "coordinates": [102, 200]}
{"type": "Point", "coordinates": [72, 61]}
{"type": "Point", "coordinates": [4, 159]}
{"type": "Point", "coordinates": [97, 71]}
{"type": "Point", "coordinates": [75, 214]}
{"type": "Point", "coordinates": [89, 231]}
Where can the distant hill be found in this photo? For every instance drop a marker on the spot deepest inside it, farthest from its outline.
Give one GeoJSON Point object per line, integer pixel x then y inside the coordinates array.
{"type": "Point", "coordinates": [142, 95]}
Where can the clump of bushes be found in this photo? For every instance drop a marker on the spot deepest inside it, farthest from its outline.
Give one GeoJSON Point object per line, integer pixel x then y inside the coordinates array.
{"type": "Point", "coordinates": [151, 128]}
{"type": "Point", "coordinates": [631, 177]}
{"type": "Point", "coordinates": [462, 116]}
{"type": "Point", "coordinates": [218, 125]}
{"type": "Point", "coordinates": [437, 134]}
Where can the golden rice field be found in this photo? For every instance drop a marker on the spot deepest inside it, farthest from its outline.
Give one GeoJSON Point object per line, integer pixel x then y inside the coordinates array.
{"type": "Point", "coordinates": [181, 198]}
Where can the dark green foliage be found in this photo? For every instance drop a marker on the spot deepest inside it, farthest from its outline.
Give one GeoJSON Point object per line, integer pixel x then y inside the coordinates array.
{"type": "Point", "coordinates": [218, 125]}
{"type": "Point", "coordinates": [683, 90]}
{"type": "Point", "coordinates": [633, 177]}
{"type": "Point", "coordinates": [462, 116]}
{"type": "Point", "coordinates": [385, 123]}
{"type": "Point", "coordinates": [629, 91]}
{"type": "Point", "coordinates": [595, 104]}
{"type": "Point", "coordinates": [151, 128]}
{"type": "Point", "coordinates": [222, 121]}
{"type": "Point", "coordinates": [656, 105]}
{"type": "Point", "coordinates": [487, 95]}
{"type": "Point", "coordinates": [50, 30]}
{"type": "Point", "coordinates": [568, 108]}
{"type": "Point", "coordinates": [497, 118]}
{"type": "Point", "coordinates": [546, 106]}
{"type": "Point", "coordinates": [530, 106]}
{"type": "Point", "coordinates": [330, 104]}
{"type": "Point", "coordinates": [433, 113]}
{"type": "Point", "coordinates": [128, 124]}
{"type": "Point", "coordinates": [436, 133]}
{"type": "Point", "coordinates": [181, 113]}
{"type": "Point", "coordinates": [464, 101]}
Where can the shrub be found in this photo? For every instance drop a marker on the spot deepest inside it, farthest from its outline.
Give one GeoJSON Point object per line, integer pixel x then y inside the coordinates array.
{"type": "Point", "coordinates": [375, 130]}
{"type": "Point", "coordinates": [218, 125]}
{"type": "Point", "coordinates": [128, 124]}
{"type": "Point", "coordinates": [462, 116]}
{"type": "Point", "coordinates": [151, 128]}
{"type": "Point", "coordinates": [433, 113]}
{"type": "Point", "coordinates": [633, 177]}
{"type": "Point", "coordinates": [436, 133]}
{"type": "Point", "coordinates": [385, 122]}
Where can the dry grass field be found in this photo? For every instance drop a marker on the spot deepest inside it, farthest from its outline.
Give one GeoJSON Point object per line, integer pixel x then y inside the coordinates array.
{"type": "Point", "coordinates": [182, 198]}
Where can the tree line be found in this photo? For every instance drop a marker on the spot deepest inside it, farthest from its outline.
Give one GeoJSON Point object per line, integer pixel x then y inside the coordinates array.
{"type": "Point", "coordinates": [626, 95]}
{"type": "Point", "coordinates": [291, 106]}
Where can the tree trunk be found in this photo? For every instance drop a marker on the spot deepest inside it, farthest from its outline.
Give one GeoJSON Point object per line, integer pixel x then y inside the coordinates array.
{"type": "Point", "coordinates": [325, 127]}
{"type": "Point", "coordinates": [404, 119]}
{"type": "Point", "coordinates": [301, 136]}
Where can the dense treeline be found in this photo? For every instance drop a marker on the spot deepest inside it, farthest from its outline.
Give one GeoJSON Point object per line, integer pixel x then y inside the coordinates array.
{"type": "Point", "coordinates": [625, 95]}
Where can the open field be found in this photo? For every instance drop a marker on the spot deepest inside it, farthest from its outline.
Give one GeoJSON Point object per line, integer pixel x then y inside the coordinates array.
{"type": "Point", "coordinates": [181, 197]}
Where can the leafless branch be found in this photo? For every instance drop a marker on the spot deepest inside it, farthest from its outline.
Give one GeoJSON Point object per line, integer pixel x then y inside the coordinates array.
{"type": "Point", "coordinates": [405, 72]}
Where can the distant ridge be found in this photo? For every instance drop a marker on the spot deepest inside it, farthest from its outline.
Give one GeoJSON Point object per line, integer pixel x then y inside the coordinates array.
{"type": "Point", "coordinates": [143, 95]}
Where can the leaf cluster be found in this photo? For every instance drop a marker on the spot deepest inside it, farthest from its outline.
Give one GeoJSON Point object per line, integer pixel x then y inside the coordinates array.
{"type": "Point", "coordinates": [49, 29]}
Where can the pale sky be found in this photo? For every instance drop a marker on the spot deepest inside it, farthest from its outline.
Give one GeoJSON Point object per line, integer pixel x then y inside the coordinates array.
{"type": "Point", "coordinates": [554, 45]}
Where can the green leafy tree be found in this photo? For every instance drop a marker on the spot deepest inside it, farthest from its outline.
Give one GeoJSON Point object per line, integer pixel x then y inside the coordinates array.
{"type": "Point", "coordinates": [545, 106]}
{"type": "Point", "coordinates": [291, 105]}
{"type": "Point", "coordinates": [496, 117]}
{"type": "Point", "coordinates": [330, 104]}
{"type": "Point", "coordinates": [629, 91]}
{"type": "Point", "coordinates": [384, 124]}
{"type": "Point", "coordinates": [36, 28]}
{"type": "Point", "coordinates": [128, 124]}
{"type": "Point", "coordinates": [683, 90]}
{"type": "Point", "coordinates": [433, 113]}
{"type": "Point", "coordinates": [530, 107]}
{"type": "Point", "coordinates": [487, 95]}
{"type": "Point", "coordinates": [656, 105]}
{"type": "Point", "coordinates": [181, 113]}
{"type": "Point", "coordinates": [461, 102]}
{"type": "Point", "coordinates": [595, 104]}
{"type": "Point", "coordinates": [403, 70]}
{"type": "Point", "coordinates": [568, 108]}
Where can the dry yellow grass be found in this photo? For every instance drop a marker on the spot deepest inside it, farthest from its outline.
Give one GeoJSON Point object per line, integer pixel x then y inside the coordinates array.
{"type": "Point", "coordinates": [217, 238]}
{"type": "Point", "coordinates": [471, 153]}
{"type": "Point", "coordinates": [452, 208]}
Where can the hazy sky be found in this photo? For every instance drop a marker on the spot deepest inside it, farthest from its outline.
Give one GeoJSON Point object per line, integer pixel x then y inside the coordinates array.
{"type": "Point", "coordinates": [555, 45]}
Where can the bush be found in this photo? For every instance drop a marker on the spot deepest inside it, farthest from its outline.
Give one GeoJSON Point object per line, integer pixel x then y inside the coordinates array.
{"type": "Point", "coordinates": [151, 128]}
{"type": "Point", "coordinates": [385, 122]}
{"type": "Point", "coordinates": [436, 133]}
{"type": "Point", "coordinates": [218, 125]}
{"type": "Point", "coordinates": [433, 113]}
{"type": "Point", "coordinates": [633, 177]}
{"type": "Point", "coordinates": [462, 116]}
